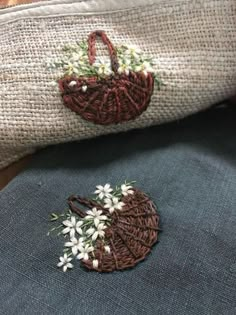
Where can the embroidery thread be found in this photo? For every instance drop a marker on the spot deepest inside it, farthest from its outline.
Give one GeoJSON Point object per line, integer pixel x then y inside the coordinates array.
{"type": "Point", "coordinates": [106, 92]}
{"type": "Point", "coordinates": [116, 230]}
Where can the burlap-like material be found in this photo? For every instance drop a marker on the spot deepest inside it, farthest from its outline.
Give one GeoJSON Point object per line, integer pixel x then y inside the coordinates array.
{"type": "Point", "coordinates": [193, 43]}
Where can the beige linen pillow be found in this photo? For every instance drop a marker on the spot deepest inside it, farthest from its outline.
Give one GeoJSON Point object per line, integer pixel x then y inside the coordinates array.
{"type": "Point", "coordinates": [193, 43]}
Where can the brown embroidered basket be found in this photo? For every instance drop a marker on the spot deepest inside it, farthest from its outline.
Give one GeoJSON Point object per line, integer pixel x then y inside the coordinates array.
{"type": "Point", "coordinates": [131, 235]}
{"type": "Point", "coordinates": [111, 100]}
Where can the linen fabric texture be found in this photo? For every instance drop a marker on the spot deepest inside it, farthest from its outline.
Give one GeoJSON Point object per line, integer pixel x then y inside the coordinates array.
{"type": "Point", "coordinates": [187, 170]}
{"type": "Point", "coordinates": [192, 42]}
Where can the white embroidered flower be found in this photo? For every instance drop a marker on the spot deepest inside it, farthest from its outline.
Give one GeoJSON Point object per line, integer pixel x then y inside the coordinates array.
{"type": "Point", "coordinates": [84, 88]}
{"type": "Point", "coordinates": [124, 67]}
{"type": "Point", "coordinates": [99, 232]}
{"type": "Point", "coordinates": [107, 249]}
{"type": "Point", "coordinates": [70, 68]}
{"type": "Point", "coordinates": [103, 68]}
{"type": "Point", "coordinates": [74, 244]}
{"type": "Point", "coordinates": [72, 226]}
{"type": "Point", "coordinates": [90, 231]}
{"type": "Point", "coordinates": [78, 57]}
{"type": "Point", "coordinates": [133, 51]}
{"type": "Point", "coordinates": [95, 263]}
{"type": "Point", "coordinates": [103, 191]}
{"type": "Point", "coordinates": [126, 190]}
{"type": "Point", "coordinates": [84, 251]}
{"type": "Point", "coordinates": [113, 204]}
{"type": "Point", "coordinates": [145, 67]}
{"type": "Point", "coordinates": [65, 262]}
{"type": "Point", "coordinates": [96, 215]}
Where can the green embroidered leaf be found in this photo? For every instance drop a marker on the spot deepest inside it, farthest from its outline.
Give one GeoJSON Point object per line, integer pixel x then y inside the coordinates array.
{"type": "Point", "coordinates": [54, 217]}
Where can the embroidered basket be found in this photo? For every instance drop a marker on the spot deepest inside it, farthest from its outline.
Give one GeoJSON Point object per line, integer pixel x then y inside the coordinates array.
{"type": "Point", "coordinates": [133, 231]}
{"type": "Point", "coordinates": [111, 100]}
{"type": "Point", "coordinates": [195, 61]}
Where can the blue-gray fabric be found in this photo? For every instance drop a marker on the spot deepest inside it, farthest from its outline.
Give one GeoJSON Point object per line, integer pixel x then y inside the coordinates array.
{"type": "Point", "coordinates": [189, 170]}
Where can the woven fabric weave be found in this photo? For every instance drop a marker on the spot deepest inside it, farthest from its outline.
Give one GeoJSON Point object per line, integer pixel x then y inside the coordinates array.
{"type": "Point", "coordinates": [189, 171]}
{"type": "Point", "coordinates": [193, 43]}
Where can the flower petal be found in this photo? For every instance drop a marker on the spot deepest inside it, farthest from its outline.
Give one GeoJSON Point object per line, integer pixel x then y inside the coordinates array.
{"type": "Point", "coordinates": [90, 213]}
{"type": "Point", "coordinates": [89, 217]}
{"type": "Point", "coordinates": [101, 195]}
{"type": "Point", "coordinates": [107, 195]}
{"type": "Point", "coordinates": [101, 233]}
{"type": "Point", "coordinates": [66, 230]}
{"type": "Point", "coordinates": [80, 256]}
{"type": "Point", "coordinates": [101, 226]}
{"type": "Point", "coordinates": [73, 221]}
{"type": "Point", "coordinates": [90, 249]}
{"type": "Point", "coordinates": [103, 217]}
{"type": "Point", "coordinates": [79, 231]}
{"type": "Point", "coordinates": [69, 244]}
{"type": "Point", "coordinates": [67, 223]}
{"type": "Point", "coordinates": [90, 231]}
{"type": "Point", "coordinates": [86, 256]}
{"type": "Point", "coordinates": [118, 206]}
{"type": "Point", "coordinates": [69, 265]}
{"type": "Point", "coordinates": [95, 236]}
{"type": "Point", "coordinates": [74, 250]}
{"type": "Point", "coordinates": [115, 200]}
{"type": "Point", "coordinates": [108, 201]}
{"type": "Point", "coordinates": [72, 83]}
{"type": "Point", "coordinates": [72, 233]}
{"type": "Point", "coordinates": [107, 186]}
{"type": "Point", "coordinates": [95, 263]}
{"type": "Point", "coordinates": [107, 249]}
{"type": "Point", "coordinates": [81, 248]}
{"type": "Point", "coordinates": [96, 221]}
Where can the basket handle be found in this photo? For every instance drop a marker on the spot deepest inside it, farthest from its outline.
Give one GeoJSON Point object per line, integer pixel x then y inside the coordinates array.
{"type": "Point", "coordinates": [107, 42]}
{"type": "Point", "coordinates": [73, 200]}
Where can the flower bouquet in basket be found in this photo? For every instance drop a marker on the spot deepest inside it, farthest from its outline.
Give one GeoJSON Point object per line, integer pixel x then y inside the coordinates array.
{"type": "Point", "coordinates": [113, 230]}
{"type": "Point", "coordinates": [106, 91]}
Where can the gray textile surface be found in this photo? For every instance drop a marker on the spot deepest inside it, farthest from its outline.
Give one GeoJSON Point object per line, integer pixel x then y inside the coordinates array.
{"type": "Point", "coordinates": [189, 169]}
